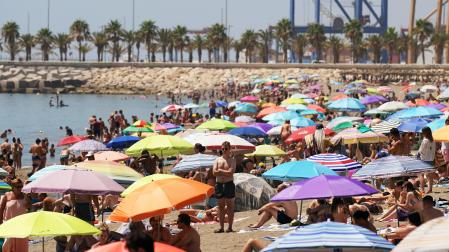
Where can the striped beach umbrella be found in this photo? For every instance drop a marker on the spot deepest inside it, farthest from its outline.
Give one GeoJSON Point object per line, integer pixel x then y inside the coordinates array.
{"type": "Point", "coordinates": [88, 145]}
{"type": "Point", "coordinates": [384, 127]}
{"type": "Point", "coordinates": [392, 166]}
{"type": "Point", "coordinates": [330, 235]}
{"type": "Point", "coordinates": [194, 162]}
{"type": "Point", "coordinates": [297, 170]}
{"type": "Point", "coordinates": [335, 162]}
{"type": "Point", "coordinates": [353, 136]}
{"type": "Point", "coordinates": [347, 104]}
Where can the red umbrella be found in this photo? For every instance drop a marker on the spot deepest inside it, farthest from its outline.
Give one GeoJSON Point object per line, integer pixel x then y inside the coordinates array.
{"type": "Point", "coordinates": [71, 140]}
{"type": "Point", "coordinates": [418, 102]}
{"type": "Point", "coordinates": [317, 108]}
{"type": "Point", "coordinates": [301, 133]}
{"type": "Point", "coordinates": [270, 110]}
{"type": "Point", "coordinates": [121, 247]}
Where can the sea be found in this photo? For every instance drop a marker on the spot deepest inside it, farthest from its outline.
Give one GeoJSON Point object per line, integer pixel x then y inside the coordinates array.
{"type": "Point", "coordinates": [30, 116]}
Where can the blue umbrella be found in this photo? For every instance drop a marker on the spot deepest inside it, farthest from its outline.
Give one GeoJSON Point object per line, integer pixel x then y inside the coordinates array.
{"type": "Point", "coordinates": [410, 96]}
{"type": "Point", "coordinates": [46, 170]}
{"type": "Point", "coordinates": [122, 142]}
{"type": "Point", "coordinates": [246, 108]}
{"type": "Point", "coordinates": [437, 124]}
{"type": "Point", "coordinates": [416, 112]}
{"type": "Point", "coordinates": [194, 162]}
{"type": "Point", "coordinates": [248, 131]}
{"type": "Point", "coordinates": [297, 170]}
{"type": "Point", "coordinates": [221, 104]}
{"type": "Point", "coordinates": [296, 107]}
{"type": "Point", "coordinates": [309, 112]}
{"type": "Point", "coordinates": [347, 104]}
{"type": "Point", "coordinates": [281, 116]}
{"type": "Point", "coordinates": [393, 166]}
{"type": "Point", "coordinates": [330, 235]}
{"type": "Point", "coordinates": [302, 122]}
{"type": "Point", "coordinates": [413, 125]}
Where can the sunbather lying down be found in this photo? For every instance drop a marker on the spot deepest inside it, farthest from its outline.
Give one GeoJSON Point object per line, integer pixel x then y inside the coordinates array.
{"type": "Point", "coordinates": [198, 216]}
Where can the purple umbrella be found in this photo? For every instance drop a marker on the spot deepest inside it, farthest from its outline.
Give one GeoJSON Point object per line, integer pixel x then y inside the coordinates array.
{"type": "Point", "coordinates": [322, 187]}
{"type": "Point", "coordinates": [314, 87]}
{"type": "Point", "coordinates": [438, 106]}
{"type": "Point", "coordinates": [170, 126]}
{"type": "Point", "coordinates": [373, 99]}
{"type": "Point", "coordinates": [262, 126]}
{"type": "Point", "coordinates": [74, 181]}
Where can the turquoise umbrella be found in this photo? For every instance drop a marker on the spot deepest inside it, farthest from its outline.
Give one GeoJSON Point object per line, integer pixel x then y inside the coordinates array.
{"type": "Point", "coordinates": [297, 170]}
{"type": "Point", "coordinates": [302, 122]}
{"type": "Point", "coordinates": [348, 104]}
{"type": "Point", "coordinates": [309, 112]}
{"type": "Point", "coordinates": [296, 107]}
{"type": "Point", "coordinates": [47, 170]}
{"type": "Point", "coordinates": [422, 111]}
{"type": "Point", "coordinates": [437, 124]}
{"type": "Point", "coordinates": [281, 116]}
{"type": "Point", "coordinates": [246, 108]}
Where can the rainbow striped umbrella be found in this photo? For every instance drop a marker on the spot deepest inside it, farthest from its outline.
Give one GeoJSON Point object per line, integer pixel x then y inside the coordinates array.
{"type": "Point", "coordinates": [335, 162]}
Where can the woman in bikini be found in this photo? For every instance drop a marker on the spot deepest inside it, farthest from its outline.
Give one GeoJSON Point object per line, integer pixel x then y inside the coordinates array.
{"type": "Point", "coordinates": [413, 203]}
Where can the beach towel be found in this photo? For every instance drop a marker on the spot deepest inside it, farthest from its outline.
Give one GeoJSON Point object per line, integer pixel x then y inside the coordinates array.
{"type": "Point", "coordinates": [269, 228]}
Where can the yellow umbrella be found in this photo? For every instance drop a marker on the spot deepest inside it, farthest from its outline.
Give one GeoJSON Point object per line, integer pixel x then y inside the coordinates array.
{"type": "Point", "coordinates": [163, 145]}
{"type": "Point", "coordinates": [113, 170]}
{"type": "Point", "coordinates": [442, 134]}
{"type": "Point", "coordinates": [144, 181]}
{"type": "Point", "coordinates": [144, 134]}
{"type": "Point", "coordinates": [290, 101]}
{"type": "Point", "coordinates": [266, 151]}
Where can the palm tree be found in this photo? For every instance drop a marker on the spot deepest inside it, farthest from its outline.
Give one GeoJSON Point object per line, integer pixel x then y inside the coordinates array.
{"type": "Point", "coordinates": [390, 38]}
{"type": "Point", "coordinates": [402, 45]}
{"type": "Point", "coordinates": [217, 36]}
{"type": "Point", "coordinates": [189, 45]}
{"type": "Point", "coordinates": [10, 33]}
{"type": "Point", "coordinates": [100, 41]}
{"type": "Point", "coordinates": [149, 32]}
{"type": "Point", "coordinates": [129, 37]}
{"type": "Point", "coordinates": [265, 37]}
{"type": "Point", "coordinates": [164, 40]}
{"type": "Point", "coordinates": [139, 40]}
{"type": "Point", "coordinates": [423, 30]}
{"type": "Point", "coordinates": [178, 38]}
{"type": "Point", "coordinates": [171, 46]}
{"type": "Point", "coordinates": [249, 41]}
{"type": "Point", "coordinates": [283, 32]}
{"type": "Point", "coordinates": [209, 48]}
{"type": "Point", "coordinates": [85, 48]}
{"type": "Point", "coordinates": [336, 45]}
{"type": "Point", "coordinates": [299, 43]}
{"type": "Point", "coordinates": [27, 42]}
{"type": "Point", "coordinates": [62, 41]}
{"type": "Point", "coordinates": [317, 38]}
{"type": "Point", "coordinates": [238, 47]}
{"type": "Point", "coordinates": [79, 30]}
{"type": "Point", "coordinates": [115, 33]}
{"type": "Point", "coordinates": [153, 49]}
{"type": "Point", "coordinates": [375, 42]}
{"type": "Point", "coordinates": [44, 37]}
{"type": "Point", "coordinates": [353, 31]}
{"type": "Point", "coordinates": [198, 45]}
{"type": "Point", "coordinates": [438, 41]}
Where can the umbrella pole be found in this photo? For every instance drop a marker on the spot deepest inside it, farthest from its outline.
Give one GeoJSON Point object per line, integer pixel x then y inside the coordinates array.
{"type": "Point", "coordinates": [43, 245]}
{"type": "Point", "coordinates": [397, 210]}
{"type": "Point", "coordinates": [300, 213]}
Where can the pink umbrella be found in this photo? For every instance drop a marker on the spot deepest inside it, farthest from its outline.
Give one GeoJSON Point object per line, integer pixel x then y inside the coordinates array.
{"type": "Point", "coordinates": [249, 98]}
{"type": "Point", "coordinates": [171, 108]}
{"type": "Point", "coordinates": [111, 156]}
{"type": "Point", "coordinates": [74, 181]}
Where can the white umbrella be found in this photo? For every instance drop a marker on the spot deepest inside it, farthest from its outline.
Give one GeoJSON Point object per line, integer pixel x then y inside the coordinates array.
{"type": "Point", "coordinates": [276, 131]}
{"type": "Point", "coordinates": [428, 89]}
{"type": "Point", "coordinates": [191, 106]}
{"type": "Point", "coordinates": [444, 94]}
{"type": "Point", "coordinates": [88, 145]}
{"type": "Point", "coordinates": [342, 119]}
{"type": "Point", "coordinates": [234, 104]}
{"type": "Point", "coordinates": [214, 141]}
{"type": "Point", "coordinates": [392, 106]}
{"type": "Point", "coordinates": [244, 119]}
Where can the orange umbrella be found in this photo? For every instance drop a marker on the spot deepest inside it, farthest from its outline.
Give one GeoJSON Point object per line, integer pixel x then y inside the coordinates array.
{"type": "Point", "coordinates": [270, 110]}
{"type": "Point", "coordinates": [339, 96]}
{"type": "Point", "coordinates": [418, 102]}
{"type": "Point", "coordinates": [160, 197]}
{"type": "Point", "coordinates": [317, 108]}
{"type": "Point", "coordinates": [121, 247]}
{"type": "Point", "coordinates": [111, 156]}
{"type": "Point", "coordinates": [268, 104]}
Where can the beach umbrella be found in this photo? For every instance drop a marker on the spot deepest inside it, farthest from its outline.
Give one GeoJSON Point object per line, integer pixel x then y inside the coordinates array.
{"type": "Point", "coordinates": [302, 122]}
{"type": "Point", "coordinates": [297, 170]}
{"type": "Point", "coordinates": [248, 132]}
{"type": "Point", "coordinates": [144, 181]}
{"type": "Point", "coordinates": [132, 129]}
{"type": "Point", "coordinates": [410, 96]}
{"type": "Point", "coordinates": [215, 141]}
{"type": "Point", "coordinates": [110, 156]}
{"type": "Point", "coordinates": [191, 106]}
{"type": "Point", "coordinates": [316, 107]}
{"type": "Point", "coordinates": [4, 185]}
{"type": "Point", "coordinates": [88, 145]}
{"type": "Point", "coordinates": [301, 133]}
{"type": "Point", "coordinates": [353, 136]}
{"type": "Point", "coordinates": [309, 112]}
{"type": "Point", "coordinates": [328, 235]}
{"type": "Point", "coordinates": [384, 89]}
{"type": "Point", "coordinates": [141, 135]}
{"type": "Point", "coordinates": [444, 95]}
{"type": "Point", "coordinates": [438, 106]}
{"type": "Point", "coordinates": [416, 112]}
{"type": "Point", "coordinates": [74, 181]}
{"type": "Point", "coordinates": [141, 123]}
{"type": "Point", "coordinates": [339, 97]}
{"type": "Point", "coordinates": [324, 187]}
{"type": "Point", "coordinates": [194, 162]}
{"type": "Point", "coordinates": [375, 111]}
{"type": "Point", "coordinates": [437, 124]}
{"type": "Point", "coordinates": [392, 166]}
{"type": "Point", "coordinates": [373, 99]}
{"type": "Point", "coordinates": [392, 106]}
{"type": "Point", "coordinates": [221, 104]}
{"type": "Point", "coordinates": [428, 89]}
{"type": "Point", "coordinates": [335, 162]}
{"type": "Point", "coordinates": [188, 132]}
{"type": "Point", "coordinates": [217, 124]}
{"type": "Point", "coordinates": [173, 193]}
{"type": "Point", "coordinates": [281, 116]}
{"type": "Point", "coordinates": [348, 104]}
{"type": "Point", "coordinates": [70, 140]}
{"type": "Point", "coordinates": [413, 125]}
{"type": "Point", "coordinates": [251, 192]}
{"type": "Point", "coordinates": [430, 236]}
{"type": "Point", "coordinates": [246, 108]}
{"type": "Point", "coordinates": [244, 119]}
{"type": "Point", "coordinates": [47, 170]}
{"type": "Point", "coordinates": [441, 134]}
{"type": "Point", "coordinates": [296, 107]}
{"type": "Point", "coordinates": [165, 126]}
{"type": "Point", "coordinates": [266, 151]}
{"type": "Point", "coordinates": [343, 126]}
{"type": "Point", "coordinates": [122, 142]}
{"type": "Point", "coordinates": [372, 91]}
{"type": "Point", "coordinates": [300, 96]}
{"type": "Point", "coordinates": [341, 119]}
{"type": "Point", "coordinates": [276, 131]}
{"type": "Point", "coordinates": [3, 172]}
{"type": "Point", "coordinates": [290, 101]}
{"type": "Point", "coordinates": [249, 98]}
{"type": "Point", "coordinates": [270, 110]}
{"type": "Point", "coordinates": [263, 126]}
{"type": "Point", "coordinates": [120, 246]}
{"type": "Point", "coordinates": [234, 104]}
{"type": "Point", "coordinates": [418, 102]}
{"type": "Point", "coordinates": [171, 108]}
{"type": "Point", "coordinates": [163, 145]}
{"type": "Point", "coordinates": [384, 127]}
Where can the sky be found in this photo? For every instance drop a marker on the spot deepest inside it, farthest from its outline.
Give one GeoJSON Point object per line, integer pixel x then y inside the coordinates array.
{"type": "Point", "coordinates": [195, 14]}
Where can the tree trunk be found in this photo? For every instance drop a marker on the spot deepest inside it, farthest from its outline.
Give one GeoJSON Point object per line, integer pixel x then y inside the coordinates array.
{"type": "Point", "coordinates": [138, 53]}
{"type": "Point", "coordinates": [199, 54]}
{"type": "Point", "coordinates": [285, 52]}
{"type": "Point", "coordinates": [190, 56]}
{"type": "Point", "coordinates": [237, 56]}
{"type": "Point", "coordinates": [422, 53]}
{"type": "Point", "coordinates": [153, 56]}
{"type": "Point", "coordinates": [209, 55]}
{"type": "Point", "coordinates": [181, 52]}
{"type": "Point", "coordinates": [164, 51]}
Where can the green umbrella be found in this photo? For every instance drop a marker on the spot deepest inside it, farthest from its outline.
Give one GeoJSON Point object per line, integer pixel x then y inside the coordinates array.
{"type": "Point", "coordinates": [132, 129]}
{"type": "Point", "coordinates": [342, 126]}
{"type": "Point", "coordinates": [161, 145]}
{"type": "Point", "coordinates": [217, 124]}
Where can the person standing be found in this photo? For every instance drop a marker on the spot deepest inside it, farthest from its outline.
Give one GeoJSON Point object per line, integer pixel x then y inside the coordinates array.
{"type": "Point", "coordinates": [286, 131]}
{"type": "Point", "coordinates": [36, 154]}
{"type": "Point", "coordinates": [426, 153]}
{"type": "Point", "coordinates": [223, 170]}
{"type": "Point", "coordinates": [19, 153]}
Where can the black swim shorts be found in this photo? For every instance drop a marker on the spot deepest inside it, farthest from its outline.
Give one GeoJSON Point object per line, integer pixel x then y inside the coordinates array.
{"type": "Point", "coordinates": [225, 190]}
{"type": "Point", "coordinates": [282, 218]}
